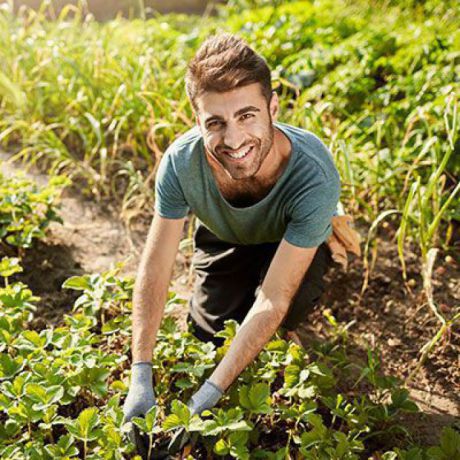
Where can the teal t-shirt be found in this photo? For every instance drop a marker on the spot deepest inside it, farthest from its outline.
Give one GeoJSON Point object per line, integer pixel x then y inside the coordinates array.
{"type": "Point", "coordinates": [298, 208]}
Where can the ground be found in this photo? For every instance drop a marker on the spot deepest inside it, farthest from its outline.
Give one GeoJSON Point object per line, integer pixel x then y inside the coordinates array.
{"type": "Point", "coordinates": [399, 322]}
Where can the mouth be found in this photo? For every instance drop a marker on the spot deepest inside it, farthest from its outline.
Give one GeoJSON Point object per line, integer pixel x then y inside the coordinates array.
{"type": "Point", "coordinates": [240, 154]}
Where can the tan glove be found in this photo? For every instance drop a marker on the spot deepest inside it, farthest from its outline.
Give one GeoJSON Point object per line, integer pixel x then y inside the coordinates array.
{"type": "Point", "coordinates": [344, 238]}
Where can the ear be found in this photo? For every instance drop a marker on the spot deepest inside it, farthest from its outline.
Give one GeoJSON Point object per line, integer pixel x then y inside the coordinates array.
{"type": "Point", "coordinates": [274, 105]}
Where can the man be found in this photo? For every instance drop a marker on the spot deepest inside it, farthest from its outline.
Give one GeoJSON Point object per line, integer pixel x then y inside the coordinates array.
{"type": "Point", "coordinates": [264, 193]}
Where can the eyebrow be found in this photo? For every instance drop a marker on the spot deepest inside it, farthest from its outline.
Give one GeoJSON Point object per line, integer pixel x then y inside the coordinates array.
{"type": "Point", "coordinates": [249, 108]}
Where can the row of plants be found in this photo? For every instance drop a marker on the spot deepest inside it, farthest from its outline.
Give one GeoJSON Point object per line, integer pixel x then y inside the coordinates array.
{"type": "Point", "coordinates": [62, 388]}
{"type": "Point", "coordinates": [104, 100]}
{"type": "Point", "coordinates": [100, 102]}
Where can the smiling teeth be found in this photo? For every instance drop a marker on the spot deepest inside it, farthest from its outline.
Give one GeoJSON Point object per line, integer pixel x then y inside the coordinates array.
{"type": "Point", "coordinates": [241, 154]}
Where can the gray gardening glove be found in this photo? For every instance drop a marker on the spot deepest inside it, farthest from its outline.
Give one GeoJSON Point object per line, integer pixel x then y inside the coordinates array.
{"type": "Point", "coordinates": [139, 400]}
{"type": "Point", "coordinates": [140, 395]}
{"type": "Point", "coordinates": [205, 398]}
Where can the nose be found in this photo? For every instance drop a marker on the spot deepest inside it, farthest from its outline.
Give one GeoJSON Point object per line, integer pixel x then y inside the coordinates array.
{"type": "Point", "coordinates": [233, 136]}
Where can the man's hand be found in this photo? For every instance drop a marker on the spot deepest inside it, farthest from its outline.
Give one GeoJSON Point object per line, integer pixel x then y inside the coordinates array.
{"type": "Point", "coordinates": [205, 398]}
{"type": "Point", "coordinates": [138, 402]}
{"type": "Point", "coordinates": [140, 395]}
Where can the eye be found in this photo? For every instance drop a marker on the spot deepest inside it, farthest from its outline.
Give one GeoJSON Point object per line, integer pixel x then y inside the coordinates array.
{"type": "Point", "coordinates": [211, 124]}
{"type": "Point", "coordinates": [248, 115]}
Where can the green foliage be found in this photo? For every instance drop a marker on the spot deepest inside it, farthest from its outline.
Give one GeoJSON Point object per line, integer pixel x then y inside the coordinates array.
{"type": "Point", "coordinates": [26, 210]}
{"type": "Point", "coordinates": [373, 81]}
{"type": "Point", "coordinates": [256, 398]}
{"type": "Point", "coordinates": [62, 388]}
{"type": "Point", "coordinates": [179, 417]}
{"type": "Point", "coordinates": [449, 448]}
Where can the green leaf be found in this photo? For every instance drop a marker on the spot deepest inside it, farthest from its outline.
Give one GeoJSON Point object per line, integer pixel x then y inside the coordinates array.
{"type": "Point", "coordinates": [9, 429]}
{"type": "Point", "coordinates": [64, 448]}
{"type": "Point", "coordinates": [9, 366]}
{"type": "Point", "coordinates": [140, 423]}
{"type": "Point", "coordinates": [316, 435]}
{"type": "Point", "coordinates": [43, 396]}
{"type": "Point", "coordinates": [183, 384]}
{"type": "Point", "coordinates": [221, 448]}
{"type": "Point", "coordinates": [78, 283]}
{"type": "Point", "coordinates": [390, 456]}
{"type": "Point", "coordinates": [277, 345]}
{"type": "Point", "coordinates": [148, 423]}
{"type": "Point", "coordinates": [400, 400]}
{"type": "Point", "coordinates": [229, 330]}
{"type": "Point", "coordinates": [12, 91]}
{"type": "Point", "coordinates": [449, 444]}
{"type": "Point", "coordinates": [307, 392]}
{"type": "Point", "coordinates": [151, 418]}
{"type": "Point", "coordinates": [196, 369]}
{"type": "Point", "coordinates": [256, 398]}
{"type": "Point", "coordinates": [9, 266]}
{"type": "Point", "coordinates": [179, 417]}
{"type": "Point", "coordinates": [84, 426]}
{"type": "Point", "coordinates": [94, 378]}
{"type": "Point", "coordinates": [291, 375]}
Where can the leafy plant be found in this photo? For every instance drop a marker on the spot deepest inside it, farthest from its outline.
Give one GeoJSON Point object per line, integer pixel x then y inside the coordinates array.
{"type": "Point", "coordinates": [26, 210]}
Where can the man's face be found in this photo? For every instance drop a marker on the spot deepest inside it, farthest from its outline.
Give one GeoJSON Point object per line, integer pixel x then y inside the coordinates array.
{"type": "Point", "coordinates": [237, 128]}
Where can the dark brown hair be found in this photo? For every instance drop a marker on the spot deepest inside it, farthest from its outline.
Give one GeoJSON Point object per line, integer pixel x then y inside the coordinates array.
{"type": "Point", "coordinates": [225, 62]}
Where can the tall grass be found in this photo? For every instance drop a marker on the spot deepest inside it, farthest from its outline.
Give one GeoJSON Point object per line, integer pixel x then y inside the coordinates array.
{"type": "Point", "coordinates": [82, 98]}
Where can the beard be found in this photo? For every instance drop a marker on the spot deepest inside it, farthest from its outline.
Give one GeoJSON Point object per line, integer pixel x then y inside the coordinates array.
{"type": "Point", "coordinates": [250, 166]}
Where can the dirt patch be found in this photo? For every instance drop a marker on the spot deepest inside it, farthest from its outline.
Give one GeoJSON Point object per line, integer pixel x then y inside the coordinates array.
{"type": "Point", "coordinates": [399, 322]}
{"type": "Point", "coordinates": [92, 239]}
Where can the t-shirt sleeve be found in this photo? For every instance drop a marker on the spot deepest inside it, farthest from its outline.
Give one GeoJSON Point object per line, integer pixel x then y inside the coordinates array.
{"type": "Point", "coordinates": [169, 198]}
{"type": "Point", "coordinates": [310, 220]}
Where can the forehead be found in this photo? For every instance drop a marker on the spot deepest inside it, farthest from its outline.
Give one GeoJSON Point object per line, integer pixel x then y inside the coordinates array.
{"type": "Point", "coordinates": [226, 103]}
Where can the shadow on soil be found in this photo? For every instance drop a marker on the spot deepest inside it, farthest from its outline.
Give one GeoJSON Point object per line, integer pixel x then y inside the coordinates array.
{"type": "Point", "coordinates": [46, 266]}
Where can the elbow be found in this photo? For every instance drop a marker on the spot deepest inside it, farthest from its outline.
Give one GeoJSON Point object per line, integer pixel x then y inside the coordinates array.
{"type": "Point", "coordinates": [277, 305]}
{"type": "Point", "coordinates": [280, 309]}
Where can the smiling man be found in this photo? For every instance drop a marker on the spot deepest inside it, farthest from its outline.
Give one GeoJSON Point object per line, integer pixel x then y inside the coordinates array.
{"type": "Point", "coordinates": [264, 193]}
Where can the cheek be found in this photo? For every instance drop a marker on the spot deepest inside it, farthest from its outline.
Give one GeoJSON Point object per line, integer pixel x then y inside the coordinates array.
{"type": "Point", "coordinates": [257, 129]}
{"type": "Point", "coordinates": [211, 142]}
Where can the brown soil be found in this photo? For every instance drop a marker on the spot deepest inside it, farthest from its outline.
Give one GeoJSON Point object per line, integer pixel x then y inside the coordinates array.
{"type": "Point", "coordinates": [397, 320]}
{"type": "Point", "coordinates": [387, 315]}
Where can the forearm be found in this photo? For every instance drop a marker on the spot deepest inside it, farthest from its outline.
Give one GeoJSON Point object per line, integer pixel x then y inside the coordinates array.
{"type": "Point", "coordinates": [261, 322]}
{"type": "Point", "coordinates": [149, 299]}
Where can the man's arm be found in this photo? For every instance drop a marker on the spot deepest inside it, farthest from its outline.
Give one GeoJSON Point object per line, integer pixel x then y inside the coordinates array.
{"type": "Point", "coordinates": [152, 283]}
{"type": "Point", "coordinates": [286, 272]}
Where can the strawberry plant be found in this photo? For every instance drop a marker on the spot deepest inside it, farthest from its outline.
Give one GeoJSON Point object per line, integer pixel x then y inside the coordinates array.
{"type": "Point", "coordinates": [26, 209]}
{"type": "Point", "coordinates": [62, 387]}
